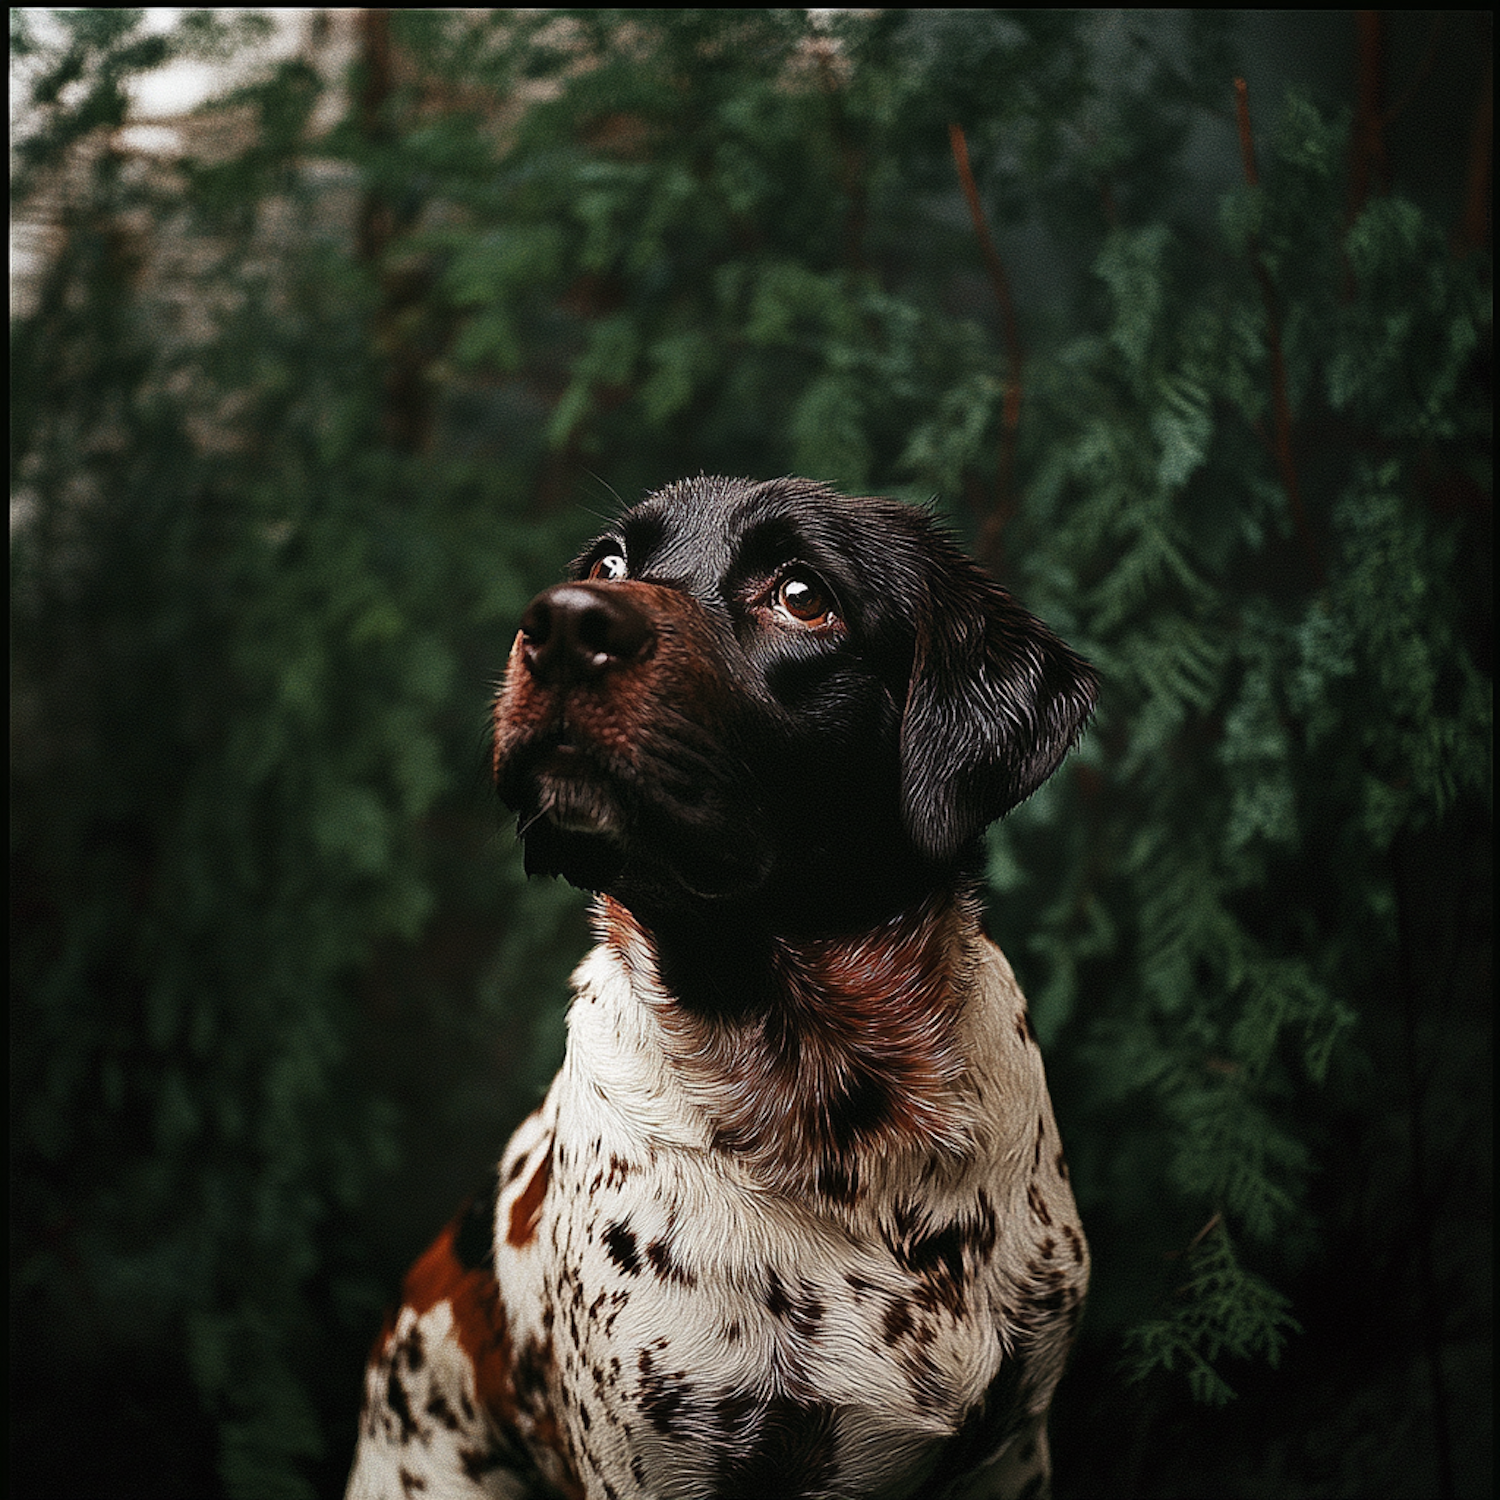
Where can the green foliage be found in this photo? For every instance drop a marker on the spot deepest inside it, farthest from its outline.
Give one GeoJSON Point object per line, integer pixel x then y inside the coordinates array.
{"type": "Point", "coordinates": [252, 643]}
{"type": "Point", "coordinates": [1222, 1310]}
{"type": "Point", "coordinates": [1273, 733]}
{"type": "Point", "coordinates": [291, 414]}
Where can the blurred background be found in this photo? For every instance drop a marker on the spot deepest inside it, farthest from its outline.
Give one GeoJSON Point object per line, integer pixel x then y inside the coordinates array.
{"type": "Point", "coordinates": [335, 333]}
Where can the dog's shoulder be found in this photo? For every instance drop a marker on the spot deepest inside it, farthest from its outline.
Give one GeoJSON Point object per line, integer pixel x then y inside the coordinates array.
{"type": "Point", "coordinates": [457, 1398]}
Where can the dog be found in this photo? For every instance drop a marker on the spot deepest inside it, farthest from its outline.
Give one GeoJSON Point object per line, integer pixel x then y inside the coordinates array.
{"type": "Point", "coordinates": [793, 1219]}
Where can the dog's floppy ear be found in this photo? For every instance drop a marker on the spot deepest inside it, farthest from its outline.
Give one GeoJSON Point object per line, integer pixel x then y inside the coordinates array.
{"type": "Point", "coordinates": [995, 702]}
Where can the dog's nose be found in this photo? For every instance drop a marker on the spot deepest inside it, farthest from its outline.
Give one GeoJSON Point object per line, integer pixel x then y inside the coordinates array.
{"type": "Point", "coordinates": [575, 631]}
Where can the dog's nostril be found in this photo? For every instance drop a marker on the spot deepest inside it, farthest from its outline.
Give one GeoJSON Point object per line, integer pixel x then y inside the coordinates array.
{"type": "Point", "coordinates": [536, 623]}
{"type": "Point", "coordinates": [579, 630]}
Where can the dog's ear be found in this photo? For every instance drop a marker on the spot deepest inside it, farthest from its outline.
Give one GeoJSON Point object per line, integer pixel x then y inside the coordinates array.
{"type": "Point", "coordinates": [994, 703]}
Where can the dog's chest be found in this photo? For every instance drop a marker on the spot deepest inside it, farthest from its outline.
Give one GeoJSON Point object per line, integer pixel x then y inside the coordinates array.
{"type": "Point", "coordinates": [685, 1331]}
{"type": "Point", "coordinates": [689, 1333]}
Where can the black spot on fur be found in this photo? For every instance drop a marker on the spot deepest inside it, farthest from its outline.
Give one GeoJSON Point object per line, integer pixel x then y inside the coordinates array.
{"type": "Point", "coordinates": [781, 1447]}
{"type": "Point", "coordinates": [663, 1397]}
{"type": "Point", "coordinates": [803, 1312]}
{"type": "Point", "coordinates": [838, 1180]}
{"type": "Point", "coordinates": [666, 1266]}
{"type": "Point", "coordinates": [440, 1411]}
{"type": "Point", "coordinates": [619, 1240]}
{"type": "Point", "coordinates": [897, 1322]}
{"type": "Point", "coordinates": [395, 1399]}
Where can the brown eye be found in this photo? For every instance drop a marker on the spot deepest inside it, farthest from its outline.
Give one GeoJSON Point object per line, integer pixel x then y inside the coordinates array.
{"type": "Point", "coordinates": [805, 599]}
{"type": "Point", "coordinates": [608, 568]}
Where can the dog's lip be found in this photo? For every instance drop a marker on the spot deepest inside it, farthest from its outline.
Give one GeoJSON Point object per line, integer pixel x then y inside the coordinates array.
{"type": "Point", "coordinates": [576, 804]}
{"type": "Point", "coordinates": [552, 743]}
{"type": "Point", "coordinates": [566, 757]}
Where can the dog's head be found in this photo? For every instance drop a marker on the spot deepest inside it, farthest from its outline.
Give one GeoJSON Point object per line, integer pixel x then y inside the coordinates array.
{"type": "Point", "coordinates": [770, 690]}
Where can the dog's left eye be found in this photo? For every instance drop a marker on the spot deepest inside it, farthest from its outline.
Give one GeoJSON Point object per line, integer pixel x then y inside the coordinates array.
{"type": "Point", "coordinates": [609, 567]}
{"type": "Point", "coordinates": [804, 597]}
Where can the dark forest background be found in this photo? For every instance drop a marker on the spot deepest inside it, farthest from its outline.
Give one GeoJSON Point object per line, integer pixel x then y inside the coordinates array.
{"type": "Point", "coordinates": [1183, 319]}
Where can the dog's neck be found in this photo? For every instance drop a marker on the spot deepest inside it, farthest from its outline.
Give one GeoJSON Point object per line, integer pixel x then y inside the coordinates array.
{"type": "Point", "coordinates": [813, 1053]}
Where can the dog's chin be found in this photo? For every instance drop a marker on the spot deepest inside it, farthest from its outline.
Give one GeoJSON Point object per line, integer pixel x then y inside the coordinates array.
{"type": "Point", "coordinates": [590, 861]}
{"type": "Point", "coordinates": [577, 829]}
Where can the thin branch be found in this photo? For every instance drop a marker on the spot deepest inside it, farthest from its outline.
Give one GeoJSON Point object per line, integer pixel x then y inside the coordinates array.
{"type": "Point", "coordinates": [1367, 140]}
{"type": "Point", "coordinates": [1214, 1221]}
{"type": "Point", "coordinates": [1014, 352]}
{"type": "Point", "coordinates": [1247, 142]}
{"type": "Point", "coordinates": [1281, 410]}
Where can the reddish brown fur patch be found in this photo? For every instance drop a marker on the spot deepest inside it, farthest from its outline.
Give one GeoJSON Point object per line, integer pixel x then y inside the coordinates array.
{"type": "Point", "coordinates": [479, 1322]}
{"type": "Point", "coordinates": [513, 1390]}
{"type": "Point", "coordinates": [526, 1211]}
{"type": "Point", "coordinates": [387, 1328]}
{"type": "Point", "coordinates": [508, 705]}
{"type": "Point", "coordinates": [858, 1055]}
{"type": "Point", "coordinates": [618, 930]}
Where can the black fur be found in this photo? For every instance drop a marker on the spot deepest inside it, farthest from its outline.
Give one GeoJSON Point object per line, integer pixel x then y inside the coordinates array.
{"type": "Point", "coordinates": [820, 778]}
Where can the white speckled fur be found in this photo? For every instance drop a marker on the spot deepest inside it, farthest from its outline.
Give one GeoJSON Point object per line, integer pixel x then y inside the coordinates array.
{"type": "Point", "coordinates": [619, 1099]}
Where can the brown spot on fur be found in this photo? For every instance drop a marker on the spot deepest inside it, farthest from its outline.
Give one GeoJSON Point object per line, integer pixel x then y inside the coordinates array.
{"type": "Point", "coordinates": [526, 1211]}
{"type": "Point", "coordinates": [1075, 1243]}
{"type": "Point", "coordinates": [944, 1257]}
{"type": "Point", "coordinates": [1038, 1204]}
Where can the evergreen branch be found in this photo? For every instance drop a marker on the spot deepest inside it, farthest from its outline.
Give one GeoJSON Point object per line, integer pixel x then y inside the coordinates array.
{"type": "Point", "coordinates": [1014, 351]}
{"type": "Point", "coordinates": [1281, 411]}
{"type": "Point", "coordinates": [1221, 1309]}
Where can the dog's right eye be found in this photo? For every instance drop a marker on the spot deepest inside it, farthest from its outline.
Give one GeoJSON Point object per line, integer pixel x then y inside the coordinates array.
{"type": "Point", "coordinates": [802, 596]}
{"type": "Point", "coordinates": [608, 568]}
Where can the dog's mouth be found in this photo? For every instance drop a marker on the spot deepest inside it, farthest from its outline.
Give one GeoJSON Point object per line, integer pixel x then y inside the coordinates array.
{"type": "Point", "coordinates": [574, 808]}
{"type": "Point", "coordinates": [569, 818]}
{"type": "Point", "coordinates": [567, 790]}
{"type": "Point", "coordinates": [628, 813]}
